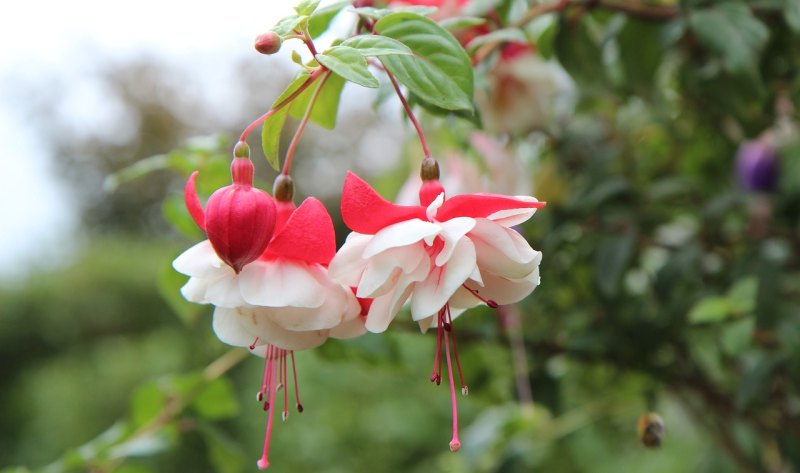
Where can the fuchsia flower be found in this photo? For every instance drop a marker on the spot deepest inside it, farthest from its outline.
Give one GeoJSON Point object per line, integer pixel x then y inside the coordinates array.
{"type": "Point", "coordinates": [280, 301]}
{"type": "Point", "coordinates": [443, 256]}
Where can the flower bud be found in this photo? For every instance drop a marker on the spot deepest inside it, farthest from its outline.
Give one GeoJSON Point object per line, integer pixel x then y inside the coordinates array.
{"type": "Point", "coordinates": [239, 219]}
{"type": "Point", "coordinates": [757, 166]}
{"type": "Point", "coordinates": [268, 43]}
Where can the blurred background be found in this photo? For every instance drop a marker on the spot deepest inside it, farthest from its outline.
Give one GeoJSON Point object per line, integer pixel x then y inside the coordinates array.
{"type": "Point", "coordinates": [664, 140]}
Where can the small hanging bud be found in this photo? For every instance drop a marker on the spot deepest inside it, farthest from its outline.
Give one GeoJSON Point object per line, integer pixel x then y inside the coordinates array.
{"type": "Point", "coordinates": [268, 43]}
{"type": "Point", "coordinates": [283, 188]}
{"type": "Point", "coordinates": [650, 428]}
{"type": "Point", "coordinates": [431, 188]}
{"type": "Point", "coordinates": [429, 170]}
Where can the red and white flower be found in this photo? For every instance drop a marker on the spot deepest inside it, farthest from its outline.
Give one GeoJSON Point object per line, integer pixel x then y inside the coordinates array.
{"type": "Point", "coordinates": [459, 251]}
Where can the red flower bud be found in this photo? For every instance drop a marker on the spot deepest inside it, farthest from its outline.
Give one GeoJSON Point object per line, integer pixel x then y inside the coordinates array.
{"type": "Point", "coordinates": [268, 43]}
{"type": "Point", "coordinates": [239, 219]}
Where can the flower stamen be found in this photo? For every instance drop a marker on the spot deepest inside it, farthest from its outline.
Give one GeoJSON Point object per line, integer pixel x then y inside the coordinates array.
{"type": "Point", "coordinates": [263, 462]}
{"type": "Point", "coordinates": [296, 386]}
{"type": "Point", "coordinates": [464, 389]}
{"type": "Point", "coordinates": [492, 304]}
{"type": "Point", "coordinates": [455, 443]}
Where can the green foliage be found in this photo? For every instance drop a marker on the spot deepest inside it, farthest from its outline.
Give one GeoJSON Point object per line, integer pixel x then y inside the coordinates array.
{"type": "Point", "coordinates": [439, 72]}
{"type": "Point", "coordinates": [348, 63]}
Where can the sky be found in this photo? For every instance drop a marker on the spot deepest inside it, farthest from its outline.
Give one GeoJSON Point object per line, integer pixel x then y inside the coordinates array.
{"type": "Point", "coordinates": [65, 39]}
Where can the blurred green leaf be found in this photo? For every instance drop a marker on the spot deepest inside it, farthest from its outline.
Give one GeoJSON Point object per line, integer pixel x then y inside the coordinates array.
{"type": "Point", "coordinates": [579, 53]}
{"type": "Point", "coordinates": [440, 71]}
{"type": "Point", "coordinates": [503, 35]}
{"type": "Point", "coordinates": [321, 19]}
{"type": "Point", "coordinates": [791, 12]}
{"type": "Point", "coordinates": [612, 258]}
{"type": "Point", "coordinates": [545, 44]}
{"type": "Point", "coordinates": [288, 25]}
{"type": "Point", "coordinates": [306, 7]}
{"type": "Point", "coordinates": [640, 53]}
{"type": "Point", "coordinates": [217, 400]}
{"type": "Point", "coordinates": [148, 401]}
{"type": "Point", "coordinates": [273, 125]}
{"type": "Point", "coordinates": [174, 211]}
{"type": "Point", "coordinates": [225, 454]}
{"type": "Point", "coordinates": [742, 296]}
{"type": "Point", "coordinates": [348, 63]}
{"type": "Point", "coordinates": [730, 30]}
{"type": "Point", "coordinates": [461, 23]}
{"type": "Point", "coordinates": [710, 309]}
{"type": "Point", "coordinates": [326, 108]}
{"type": "Point", "coordinates": [737, 336]}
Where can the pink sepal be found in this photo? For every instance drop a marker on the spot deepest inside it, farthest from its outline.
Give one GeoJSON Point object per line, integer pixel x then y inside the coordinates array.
{"type": "Point", "coordinates": [193, 202]}
{"type": "Point", "coordinates": [365, 211]}
{"type": "Point", "coordinates": [308, 235]}
{"type": "Point", "coordinates": [481, 206]}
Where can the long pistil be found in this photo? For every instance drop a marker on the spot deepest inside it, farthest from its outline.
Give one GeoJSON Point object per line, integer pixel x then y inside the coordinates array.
{"type": "Point", "coordinates": [263, 462]}
{"type": "Point", "coordinates": [455, 443]}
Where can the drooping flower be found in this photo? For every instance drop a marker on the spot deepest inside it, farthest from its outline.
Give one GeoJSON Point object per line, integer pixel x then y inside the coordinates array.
{"type": "Point", "coordinates": [239, 219]}
{"type": "Point", "coordinates": [443, 256]}
{"type": "Point", "coordinates": [281, 301]}
{"type": "Point", "coordinates": [757, 165]}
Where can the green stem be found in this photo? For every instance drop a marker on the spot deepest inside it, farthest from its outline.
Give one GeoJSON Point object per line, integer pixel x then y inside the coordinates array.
{"type": "Point", "coordinates": [287, 163]}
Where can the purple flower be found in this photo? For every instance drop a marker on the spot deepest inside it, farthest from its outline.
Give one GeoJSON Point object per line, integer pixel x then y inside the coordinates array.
{"type": "Point", "coordinates": [757, 166]}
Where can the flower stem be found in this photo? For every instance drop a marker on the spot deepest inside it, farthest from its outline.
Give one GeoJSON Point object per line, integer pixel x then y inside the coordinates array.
{"type": "Point", "coordinates": [258, 121]}
{"type": "Point", "coordinates": [287, 163]}
{"type": "Point", "coordinates": [422, 141]}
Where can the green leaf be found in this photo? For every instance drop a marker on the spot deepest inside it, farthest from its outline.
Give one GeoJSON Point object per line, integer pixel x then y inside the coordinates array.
{"type": "Point", "coordinates": [461, 23]}
{"type": "Point", "coordinates": [545, 44]}
{"type": "Point", "coordinates": [376, 45]}
{"type": "Point", "coordinates": [217, 400]}
{"type": "Point", "coordinates": [169, 287]}
{"type": "Point", "coordinates": [348, 63]}
{"type": "Point", "coordinates": [640, 54]}
{"type": "Point", "coordinates": [148, 401]}
{"type": "Point", "coordinates": [440, 71]}
{"type": "Point", "coordinates": [319, 22]}
{"type": "Point", "coordinates": [225, 454]}
{"type": "Point", "coordinates": [271, 129]}
{"type": "Point", "coordinates": [614, 253]}
{"type": "Point", "coordinates": [306, 7]}
{"type": "Point", "coordinates": [505, 35]}
{"type": "Point", "coordinates": [327, 106]}
{"type": "Point", "coordinates": [174, 211]}
{"type": "Point", "coordinates": [288, 25]}
{"type": "Point", "coordinates": [730, 30]}
{"type": "Point", "coordinates": [791, 13]}
{"type": "Point", "coordinates": [742, 296]}
{"type": "Point", "coordinates": [580, 54]}
{"type": "Point", "coordinates": [736, 336]}
{"type": "Point", "coordinates": [370, 13]}
{"type": "Point", "coordinates": [710, 309]}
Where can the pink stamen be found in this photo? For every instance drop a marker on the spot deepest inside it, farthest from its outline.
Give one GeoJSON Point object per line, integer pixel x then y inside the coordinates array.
{"type": "Point", "coordinates": [492, 304]}
{"type": "Point", "coordinates": [464, 389]}
{"type": "Point", "coordinates": [263, 463]}
{"type": "Point", "coordinates": [265, 377]}
{"type": "Point", "coordinates": [455, 444]}
{"type": "Point", "coordinates": [253, 345]}
{"type": "Point", "coordinates": [296, 385]}
{"type": "Point", "coordinates": [285, 382]}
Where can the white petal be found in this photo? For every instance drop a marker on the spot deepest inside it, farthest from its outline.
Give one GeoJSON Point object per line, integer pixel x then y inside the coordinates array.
{"type": "Point", "coordinates": [400, 234]}
{"type": "Point", "coordinates": [349, 329]}
{"type": "Point", "coordinates": [452, 231]}
{"type": "Point", "coordinates": [349, 263]}
{"type": "Point", "coordinates": [501, 290]}
{"type": "Point", "coordinates": [433, 207]}
{"type": "Point", "coordinates": [503, 251]}
{"type": "Point", "coordinates": [282, 283]}
{"type": "Point", "coordinates": [385, 308]}
{"type": "Point", "coordinates": [195, 290]}
{"type": "Point", "coordinates": [326, 316]}
{"type": "Point", "coordinates": [511, 217]}
{"type": "Point", "coordinates": [229, 327]}
{"type": "Point", "coordinates": [199, 260]}
{"type": "Point", "coordinates": [433, 293]}
{"type": "Point", "coordinates": [385, 269]}
{"type": "Point", "coordinates": [225, 292]}
{"type": "Point", "coordinates": [257, 321]}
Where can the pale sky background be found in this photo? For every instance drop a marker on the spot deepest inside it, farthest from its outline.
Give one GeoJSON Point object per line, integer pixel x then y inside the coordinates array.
{"type": "Point", "coordinates": [46, 38]}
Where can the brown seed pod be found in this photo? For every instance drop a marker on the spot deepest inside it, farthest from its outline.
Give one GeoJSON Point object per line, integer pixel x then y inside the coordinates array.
{"type": "Point", "coordinates": [650, 428]}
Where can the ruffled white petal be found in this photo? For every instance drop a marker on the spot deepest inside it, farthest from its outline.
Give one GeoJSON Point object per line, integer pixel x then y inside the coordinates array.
{"type": "Point", "coordinates": [225, 292]}
{"type": "Point", "coordinates": [511, 217]}
{"type": "Point", "coordinates": [348, 264]}
{"type": "Point", "coordinates": [385, 269]}
{"type": "Point", "coordinates": [400, 234]}
{"type": "Point", "coordinates": [502, 250]}
{"type": "Point", "coordinates": [433, 293]}
{"type": "Point", "coordinates": [257, 321]}
{"type": "Point", "coordinates": [433, 207]}
{"type": "Point", "coordinates": [282, 283]}
{"type": "Point", "coordinates": [199, 261]}
{"type": "Point", "coordinates": [229, 327]}
{"type": "Point", "coordinates": [452, 231]}
{"type": "Point", "coordinates": [385, 308]}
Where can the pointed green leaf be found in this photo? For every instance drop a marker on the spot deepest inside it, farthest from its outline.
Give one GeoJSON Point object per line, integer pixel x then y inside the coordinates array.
{"type": "Point", "coordinates": [791, 13]}
{"type": "Point", "coordinates": [710, 309]}
{"type": "Point", "coordinates": [290, 24]}
{"type": "Point", "coordinates": [730, 30]}
{"type": "Point", "coordinates": [217, 400]}
{"type": "Point", "coordinates": [504, 35]}
{"type": "Point", "coordinates": [327, 106]}
{"type": "Point", "coordinates": [306, 7]}
{"type": "Point", "coordinates": [271, 130]}
{"type": "Point", "coordinates": [348, 63]}
{"type": "Point", "coordinates": [440, 71]}
{"type": "Point", "coordinates": [376, 45]}
{"type": "Point", "coordinates": [319, 22]}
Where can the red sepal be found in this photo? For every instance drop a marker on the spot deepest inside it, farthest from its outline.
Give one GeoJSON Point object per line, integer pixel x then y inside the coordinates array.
{"type": "Point", "coordinates": [307, 236]}
{"type": "Point", "coordinates": [193, 202]}
{"type": "Point", "coordinates": [365, 211]}
{"type": "Point", "coordinates": [481, 205]}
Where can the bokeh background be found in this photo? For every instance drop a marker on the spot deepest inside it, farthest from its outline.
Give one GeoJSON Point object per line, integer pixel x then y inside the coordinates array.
{"type": "Point", "coordinates": [665, 143]}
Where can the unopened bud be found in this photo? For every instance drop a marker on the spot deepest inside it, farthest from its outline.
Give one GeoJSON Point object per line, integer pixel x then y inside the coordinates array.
{"type": "Point", "coordinates": [283, 188]}
{"type": "Point", "coordinates": [268, 43]}
{"type": "Point", "coordinates": [429, 170]}
{"type": "Point", "coordinates": [241, 150]}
